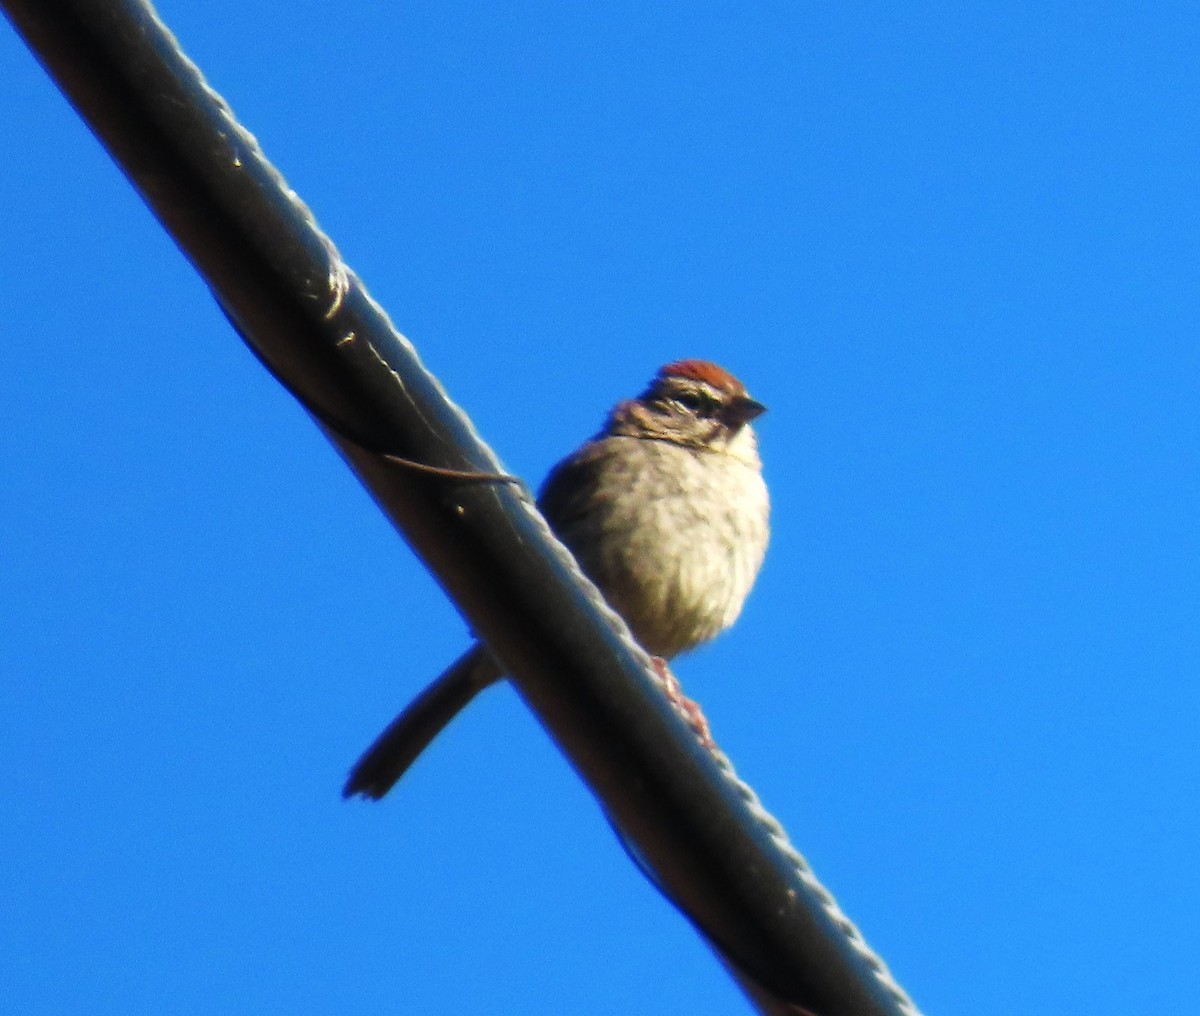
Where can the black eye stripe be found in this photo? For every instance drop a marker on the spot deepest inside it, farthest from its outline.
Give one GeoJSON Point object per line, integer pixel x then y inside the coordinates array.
{"type": "Point", "coordinates": [697, 402]}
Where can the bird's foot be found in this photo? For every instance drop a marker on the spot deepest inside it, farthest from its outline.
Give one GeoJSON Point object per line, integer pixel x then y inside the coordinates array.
{"type": "Point", "coordinates": [689, 708]}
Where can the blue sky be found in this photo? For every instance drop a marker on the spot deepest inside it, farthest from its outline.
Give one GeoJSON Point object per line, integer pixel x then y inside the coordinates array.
{"type": "Point", "coordinates": [955, 251]}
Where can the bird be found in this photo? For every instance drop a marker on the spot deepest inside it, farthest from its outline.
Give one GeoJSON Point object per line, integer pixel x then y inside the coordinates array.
{"type": "Point", "coordinates": [665, 510]}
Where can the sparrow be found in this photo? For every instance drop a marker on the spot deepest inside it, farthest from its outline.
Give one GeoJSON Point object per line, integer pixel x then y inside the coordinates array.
{"type": "Point", "coordinates": [665, 510]}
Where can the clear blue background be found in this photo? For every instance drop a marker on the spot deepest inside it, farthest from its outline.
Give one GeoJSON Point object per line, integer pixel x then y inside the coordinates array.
{"type": "Point", "coordinates": [954, 248]}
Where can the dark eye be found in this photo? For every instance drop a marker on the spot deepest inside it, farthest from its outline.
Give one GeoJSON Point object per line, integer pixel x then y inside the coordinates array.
{"type": "Point", "coordinates": [698, 403]}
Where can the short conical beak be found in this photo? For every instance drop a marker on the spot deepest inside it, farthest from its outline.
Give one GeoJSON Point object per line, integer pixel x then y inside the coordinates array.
{"type": "Point", "coordinates": [746, 409]}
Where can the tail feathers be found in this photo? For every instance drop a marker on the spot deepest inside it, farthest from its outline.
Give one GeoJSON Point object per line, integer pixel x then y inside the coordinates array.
{"type": "Point", "coordinates": [422, 720]}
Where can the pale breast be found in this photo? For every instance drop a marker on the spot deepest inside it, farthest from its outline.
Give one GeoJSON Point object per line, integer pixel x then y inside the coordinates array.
{"type": "Point", "coordinates": [673, 536]}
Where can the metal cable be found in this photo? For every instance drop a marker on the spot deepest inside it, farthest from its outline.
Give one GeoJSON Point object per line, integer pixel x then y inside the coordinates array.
{"type": "Point", "coordinates": [806, 874]}
{"type": "Point", "coordinates": [703, 833]}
